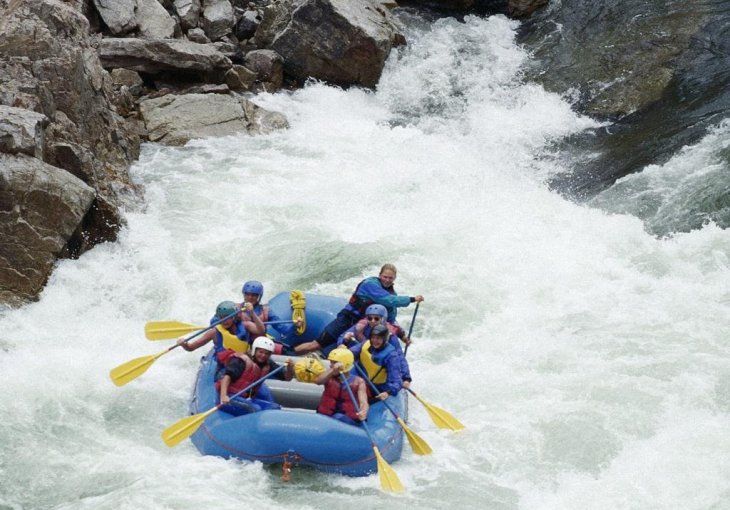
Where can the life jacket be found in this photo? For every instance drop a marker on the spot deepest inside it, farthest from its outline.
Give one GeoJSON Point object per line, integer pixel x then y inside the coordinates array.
{"type": "Point", "coordinates": [224, 339]}
{"type": "Point", "coordinates": [373, 363]}
{"type": "Point", "coordinates": [360, 303]}
{"type": "Point", "coordinates": [262, 311]}
{"type": "Point", "coordinates": [250, 374]}
{"type": "Point", "coordinates": [336, 399]}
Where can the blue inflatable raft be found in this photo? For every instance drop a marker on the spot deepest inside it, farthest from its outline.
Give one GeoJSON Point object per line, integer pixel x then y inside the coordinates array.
{"type": "Point", "coordinates": [296, 434]}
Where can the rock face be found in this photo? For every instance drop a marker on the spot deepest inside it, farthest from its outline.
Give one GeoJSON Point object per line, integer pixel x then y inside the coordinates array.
{"type": "Point", "coordinates": [619, 53]}
{"type": "Point", "coordinates": [174, 120]}
{"type": "Point", "coordinates": [656, 71]}
{"type": "Point", "coordinates": [62, 143]}
{"type": "Point", "coordinates": [339, 41]}
{"type": "Point", "coordinates": [268, 67]}
{"type": "Point", "coordinates": [40, 207]}
{"type": "Point", "coordinates": [217, 19]}
{"type": "Point", "coordinates": [155, 56]}
{"type": "Point", "coordinates": [22, 131]}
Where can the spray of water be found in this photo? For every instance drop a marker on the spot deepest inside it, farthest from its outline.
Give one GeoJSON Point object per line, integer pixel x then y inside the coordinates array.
{"type": "Point", "coordinates": [587, 358]}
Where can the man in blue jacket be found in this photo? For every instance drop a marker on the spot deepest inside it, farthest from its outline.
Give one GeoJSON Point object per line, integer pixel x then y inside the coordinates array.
{"type": "Point", "coordinates": [380, 361]}
{"type": "Point", "coordinates": [376, 289]}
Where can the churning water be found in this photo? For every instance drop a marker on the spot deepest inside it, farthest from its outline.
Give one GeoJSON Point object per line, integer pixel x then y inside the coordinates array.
{"type": "Point", "coordinates": [587, 357]}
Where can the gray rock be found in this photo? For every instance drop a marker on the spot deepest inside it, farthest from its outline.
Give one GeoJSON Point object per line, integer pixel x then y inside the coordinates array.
{"type": "Point", "coordinates": [21, 131]}
{"type": "Point", "coordinates": [268, 66]}
{"type": "Point", "coordinates": [240, 78]}
{"type": "Point", "coordinates": [217, 19]}
{"type": "Point", "coordinates": [130, 79]}
{"type": "Point", "coordinates": [197, 35]}
{"type": "Point", "coordinates": [339, 41]}
{"type": "Point", "coordinates": [73, 158]}
{"type": "Point", "coordinates": [189, 13]}
{"type": "Point", "coordinates": [174, 120]}
{"type": "Point", "coordinates": [154, 56]}
{"type": "Point", "coordinates": [40, 208]}
{"type": "Point", "coordinates": [153, 21]}
{"type": "Point", "coordinates": [247, 24]}
{"type": "Point", "coordinates": [524, 8]}
{"type": "Point", "coordinates": [118, 15]}
{"type": "Point", "coordinates": [48, 64]}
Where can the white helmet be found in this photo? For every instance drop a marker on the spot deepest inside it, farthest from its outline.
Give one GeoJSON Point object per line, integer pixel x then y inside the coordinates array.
{"type": "Point", "coordinates": [263, 342]}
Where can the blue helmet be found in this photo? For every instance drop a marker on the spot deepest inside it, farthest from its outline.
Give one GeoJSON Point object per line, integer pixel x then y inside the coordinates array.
{"type": "Point", "coordinates": [377, 310]}
{"type": "Point", "coordinates": [253, 287]}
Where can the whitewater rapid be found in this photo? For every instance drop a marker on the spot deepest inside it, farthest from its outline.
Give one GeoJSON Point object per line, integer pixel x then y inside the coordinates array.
{"type": "Point", "coordinates": [587, 358]}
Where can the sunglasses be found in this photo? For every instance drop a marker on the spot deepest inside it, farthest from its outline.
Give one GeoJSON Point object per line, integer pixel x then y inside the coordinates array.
{"type": "Point", "coordinates": [373, 317]}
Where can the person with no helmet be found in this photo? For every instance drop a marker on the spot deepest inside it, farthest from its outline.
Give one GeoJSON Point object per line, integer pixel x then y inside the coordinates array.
{"type": "Point", "coordinates": [373, 290]}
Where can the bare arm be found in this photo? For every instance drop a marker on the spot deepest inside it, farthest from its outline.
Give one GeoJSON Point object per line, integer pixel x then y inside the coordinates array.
{"type": "Point", "coordinates": [225, 382]}
{"type": "Point", "coordinates": [254, 325]}
{"type": "Point", "coordinates": [362, 397]}
{"type": "Point", "coordinates": [198, 342]}
{"type": "Point", "coordinates": [334, 370]}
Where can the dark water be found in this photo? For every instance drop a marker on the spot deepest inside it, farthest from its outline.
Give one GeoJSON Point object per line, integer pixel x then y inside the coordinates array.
{"type": "Point", "coordinates": [610, 55]}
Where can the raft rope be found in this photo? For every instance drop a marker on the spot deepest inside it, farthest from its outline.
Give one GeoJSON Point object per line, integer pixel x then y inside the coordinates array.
{"type": "Point", "coordinates": [298, 307]}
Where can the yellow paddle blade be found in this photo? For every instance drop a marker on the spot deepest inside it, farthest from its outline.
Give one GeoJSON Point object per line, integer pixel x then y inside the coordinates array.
{"type": "Point", "coordinates": [130, 370]}
{"type": "Point", "coordinates": [419, 446]}
{"type": "Point", "coordinates": [441, 418]}
{"type": "Point", "coordinates": [389, 480]}
{"type": "Point", "coordinates": [184, 428]}
{"type": "Point", "coordinates": [165, 330]}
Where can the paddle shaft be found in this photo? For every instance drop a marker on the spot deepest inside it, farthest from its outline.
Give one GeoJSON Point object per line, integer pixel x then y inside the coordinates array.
{"type": "Point", "coordinates": [244, 390]}
{"type": "Point", "coordinates": [389, 480]}
{"type": "Point", "coordinates": [410, 329]}
{"type": "Point", "coordinates": [186, 427]}
{"type": "Point", "coordinates": [220, 321]}
{"type": "Point", "coordinates": [357, 408]}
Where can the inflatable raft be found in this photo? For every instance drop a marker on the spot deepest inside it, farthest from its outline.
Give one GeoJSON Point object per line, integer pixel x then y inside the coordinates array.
{"type": "Point", "coordinates": [296, 434]}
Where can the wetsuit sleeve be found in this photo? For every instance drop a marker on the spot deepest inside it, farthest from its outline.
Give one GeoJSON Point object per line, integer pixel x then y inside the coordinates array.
{"type": "Point", "coordinates": [281, 375]}
{"type": "Point", "coordinates": [395, 380]}
{"type": "Point", "coordinates": [373, 290]}
{"type": "Point", "coordinates": [341, 338]}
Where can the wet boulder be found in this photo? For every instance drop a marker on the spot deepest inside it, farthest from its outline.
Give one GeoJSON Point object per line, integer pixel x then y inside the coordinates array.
{"type": "Point", "coordinates": [155, 56]}
{"type": "Point", "coordinates": [339, 41]}
{"type": "Point", "coordinates": [176, 119]}
{"type": "Point", "coordinates": [40, 208]}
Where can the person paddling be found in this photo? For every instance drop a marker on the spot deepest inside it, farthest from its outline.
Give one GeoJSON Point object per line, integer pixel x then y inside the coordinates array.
{"type": "Point", "coordinates": [232, 335]}
{"type": "Point", "coordinates": [253, 292]}
{"type": "Point", "coordinates": [374, 290]}
{"type": "Point", "coordinates": [381, 362]}
{"type": "Point", "coordinates": [376, 314]}
{"type": "Point", "coordinates": [336, 401]}
{"type": "Point", "coordinates": [242, 369]}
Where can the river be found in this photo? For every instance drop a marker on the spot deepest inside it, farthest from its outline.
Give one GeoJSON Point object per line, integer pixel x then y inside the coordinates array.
{"type": "Point", "coordinates": [587, 356]}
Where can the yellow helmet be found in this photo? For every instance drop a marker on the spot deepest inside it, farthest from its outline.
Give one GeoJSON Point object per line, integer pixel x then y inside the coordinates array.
{"type": "Point", "coordinates": [343, 356]}
{"type": "Point", "coordinates": [308, 369]}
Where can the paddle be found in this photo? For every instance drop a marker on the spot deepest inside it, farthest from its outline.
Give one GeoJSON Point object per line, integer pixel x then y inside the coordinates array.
{"type": "Point", "coordinates": [389, 480]}
{"type": "Point", "coordinates": [130, 370]}
{"type": "Point", "coordinates": [165, 330]}
{"type": "Point", "coordinates": [410, 329]}
{"type": "Point", "coordinates": [441, 418]}
{"type": "Point", "coordinates": [185, 427]}
{"type": "Point", "coordinates": [418, 445]}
